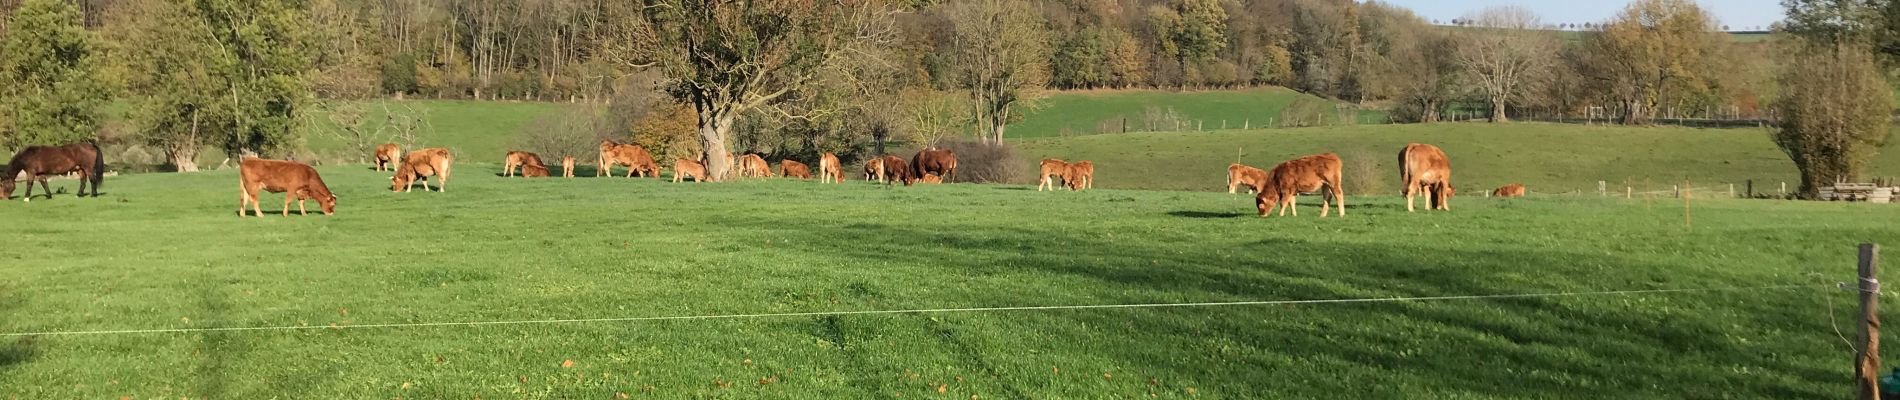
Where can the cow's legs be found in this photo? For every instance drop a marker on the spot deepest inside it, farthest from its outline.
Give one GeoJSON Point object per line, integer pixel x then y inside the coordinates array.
{"type": "Point", "coordinates": [1411, 188]}
{"type": "Point", "coordinates": [288, 197]}
{"type": "Point", "coordinates": [300, 209]}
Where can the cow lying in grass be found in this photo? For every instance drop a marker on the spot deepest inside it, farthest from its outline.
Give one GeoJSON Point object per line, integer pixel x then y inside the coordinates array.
{"type": "Point", "coordinates": [1424, 168]}
{"type": "Point", "coordinates": [793, 169]}
{"type": "Point", "coordinates": [295, 180]}
{"type": "Point", "coordinates": [517, 159]}
{"type": "Point", "coordinates": [1052, 169]}
{"type": "Point", "coordinates": [1511, 190]}
{"type": "Point", "coordinates": [534, 171]}
{"type": "Point", "coordinates": [829, 171]}
{"type": "Point", "coordinates": [1254, 178]}
{"type": "Point", "coordinates": [1303, 175]}
{"type": "Point", "coordinates": [932, 179]}
{"type": "Point", "coordinates": [684, 168]}
{"type": "Point", "coordinates": [422, 164]}
{"type": "Point", "coordinates": [387, 155]}
{"type": "Point", "coordinates": [1080, 175]}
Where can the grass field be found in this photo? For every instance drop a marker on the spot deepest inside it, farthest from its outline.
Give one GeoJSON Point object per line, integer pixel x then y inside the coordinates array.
{"type": "Point", "coordinates": [1549, 158]}
{"type": "Point", "coordinates": [1080, 113]}
{"type": "Point", "coordinates": [470, 127]}
{"type": "Point", "coordinates": [167, 251]}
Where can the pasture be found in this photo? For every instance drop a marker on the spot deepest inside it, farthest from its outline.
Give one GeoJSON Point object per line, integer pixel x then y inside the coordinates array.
{"type": "Point", "coordinates": [1088, 112]}
{"type": "Point", "coordinates": [168, 251]}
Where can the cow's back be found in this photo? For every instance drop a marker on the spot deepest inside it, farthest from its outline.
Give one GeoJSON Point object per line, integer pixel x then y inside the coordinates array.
{"type": "Point", "coordinates": [1423, 163]}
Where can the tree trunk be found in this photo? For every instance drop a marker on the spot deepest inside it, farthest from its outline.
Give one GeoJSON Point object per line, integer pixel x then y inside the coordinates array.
{"type": "Point", "coordinates": [712, 140]}
{"type": "Point", "coordinates": [184, 158]}
{"type": "Point", "coordinates": [1497, 110]}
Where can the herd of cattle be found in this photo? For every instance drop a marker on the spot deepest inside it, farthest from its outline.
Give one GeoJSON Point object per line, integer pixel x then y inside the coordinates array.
{"type": "Point", "coordinates": [1423, 168]}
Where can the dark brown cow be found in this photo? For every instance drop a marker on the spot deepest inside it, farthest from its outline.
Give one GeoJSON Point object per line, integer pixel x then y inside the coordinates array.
{"type": "Point", "coordinates": [1303, 175]}
{"type": "Point", "coordinates": [1080, 175]}
{"type": "Point", "coordinates": [295, 180]}
{"type": "Point", "coordinates": [42, 162]}
{"type": "Point", "coordinates": [1238, 175]}
{"type": "Point", "coordinates": [1052, 169]}
{"type": "Point", "coordinates": [942, 163]}
{"type": "Point", "coordinates": [1423, 167]}
{"type": "Point", "coordinates": [896, 169]}
{"type": "Point", "coordinates": [793, 169]}
{"type": "Point", "coordinates": [753, 166]}
{"type": "Point", "coordinates": [636, 158]}
{"type": "Point", "coordinates": [684, 168]}
{"type": "Point", "coordinates": [829, 170]}
{"type": "Point", "coordinates": [517, 159]}
{"type": "Point", "coordinates": [874, 170]}
{"type": "Point", "coordinates": [387, 155]}
{"type": "Point", "coordinates": [421, 164]}
{"type": "Point", "coordinates": [1511, 190]}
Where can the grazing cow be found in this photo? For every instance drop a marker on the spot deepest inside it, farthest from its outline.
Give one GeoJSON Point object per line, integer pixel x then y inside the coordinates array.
{"type": "Point", "coordinates": [684, 168]}
{"type": "Point", "coordinates": [387, 155]}
{"type": "Point", "coordinates": [942, 163]}
{"type": "Point", "coordinates": [534, 171]}
{"type": "Point", "coordinates": [829, 170]}
{"type": "Point", "coordinates": [1052, 169]}
{"type": "Point", "coordinates": [518, 159]}
{"type": "Point", "coordinates": [794, 169]}
{"type": "Point", "coordinates": [636, 158]}
{"type": "Point", "coordinates": [567, 167]}
{"type": "Point", "coordinates": [896, 169]}
{"type": "Point", "coordinates": [1302, 175]}
{"type": "Point", "coordinates": [931, 179]}
{"type": "Point", "coordinates": [753, 166]}
{"type": "Point", "coordinates": [1237, 175]}
{"type": "Point", "coordinates": [42, 162]}
{"type": "Point", "coordinates": [421, 164]}
{"type": "Point", "coordinates": [1511, 190]}
{"type": "Point", "coordinates": [874, 170]}
{"type": "Point", "coordinates": [1423, 167]}
{"type": "Point", "coordinates": [295, 180]}
{"type": "Point", "coordinates": [1080, 175]}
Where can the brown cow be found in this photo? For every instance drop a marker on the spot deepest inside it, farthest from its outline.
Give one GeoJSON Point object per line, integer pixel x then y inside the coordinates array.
{"type": "Point", "coordinates": [1302, 175]}
{"type": "Point", "coordinates": [1423, 167]}
{"type": "Point", "coordinates": [534, 171]}
{"type": "Point", "coordinates": [684, 168]}
{"type": "Point", "coordinates": [1080, 175]}
{"type": "Point", "coordinates": [518, 159]}
{"type": "Point", "coordinates": [636, 158]}
{"type": "Point", "coordinates": [295, 180]}
{"type": "Point", "coordinates": [874, 170]}
{"type": "Point", "coordinates": [42, 162]}
{"type": "Point", "coordinates": [942, 163]}
{"type": "Point", "coordinates": [421, 164]}
{"type": "Point", "coordinates": [794, 169]}
{"type": "Point", "coordinates": [1052, 169]}
{"type": "Point", "coordinates": [567, 167]}
{"type": "Point", "coordinates": [896, 169]}
{"type": "Point", "coordinates": [931, 179]}
{"type": "Point", "coordinates": [829, 170]}
{"type": "Point", "coordinates": [753, 166]}
{"type": "Point", "coordinates": [1511, 190]}
{"type": "Point", "coordinates": [387, 155]}
{"type": "Point", "coordinates": [1238, 174]}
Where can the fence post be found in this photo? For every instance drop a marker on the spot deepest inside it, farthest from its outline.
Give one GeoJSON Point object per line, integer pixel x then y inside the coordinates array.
{"type": "Point", "coordinates": [1731, 190]}
{"type": "Point", "coordinates": [1248, 124]}
{"type": "Point", "coordinates": [1784, 188]}
{"type": "Point", "coordinates": [1603, 189]}
{"type": "Point", "coordinates": [1629, 192]}
{"type": "Point", "coordinates": [1751, 188]}
{"type": "Point", "coordinates": [1124, 124]}
{"type": "Point", "coordinates": [1867, 359]}
{"type": "Point", "coordinates": [1677, 189]}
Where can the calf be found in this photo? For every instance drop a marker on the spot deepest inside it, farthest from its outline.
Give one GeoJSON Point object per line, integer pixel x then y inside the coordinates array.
{"type": "Point", "coordinates": [295, 180]}
{"type": "Point", "coordinates": [518, 159]}
{"type": "Point", "coordinates": [753, 166]}
{"type": "Point", "coordinates": [1080, 175]}
{"type": "Point", "coordinates": [1423, 167]}
{"type": "Point", "coordinates": [1305, 174]}
{"type": "Point", "coordinates": [684, 168]}
{"type": "Point", "coordinates": [387, 155]}
{"type": "Point", "coordinates": [567, 167]}
{"type": "Point", "coordinates": [829, 171]}
{"type": "Point", "coordinates": [419, 165]}
{"type": "Point", "coordinates": [931, 179]}
{"type": "Point", "coordinates": [793, 169]}
{"type": "Point", "coordinates": [534, 171]}
{"type": "Point", "coordinates": [1511, 190]}
{"type": "Point", "coordinates": [1254, 178]}
{"type": "Point", "coordinates": [1052, 169]}
{"type": "Point", "coordinates": [874, 170]}
{"type": "Point", "coordinates": [896, 169]}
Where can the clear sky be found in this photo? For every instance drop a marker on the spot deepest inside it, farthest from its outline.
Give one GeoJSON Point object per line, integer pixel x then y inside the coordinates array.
{"type": "Point", "coordinates": [1737, 14]}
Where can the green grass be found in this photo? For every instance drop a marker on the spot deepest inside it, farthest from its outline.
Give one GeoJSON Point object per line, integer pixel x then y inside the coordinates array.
{"type": "Point", "coordinates": [168, 251]}
{"type": "Point", "coordinates": [484, 128]}
{"type": "Point", "coordinates": [1548, 158]}
{"type": "Point", "coordinates": [1081, 113]}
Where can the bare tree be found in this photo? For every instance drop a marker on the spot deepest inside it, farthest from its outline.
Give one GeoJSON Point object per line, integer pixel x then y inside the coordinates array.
{"type": "Point", "coordinates": [1505, 50]}
{"type": "Point", "coordinates": [1002, 58]}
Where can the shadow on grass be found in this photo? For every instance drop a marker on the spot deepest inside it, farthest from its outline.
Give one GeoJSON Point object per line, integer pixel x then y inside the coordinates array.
{"type": "Point", "coordinates": [19, 351]}
{"type": "Point", "coordinates": [223, 351]}
{"type": "Point", "coordinates": [1206, 215]}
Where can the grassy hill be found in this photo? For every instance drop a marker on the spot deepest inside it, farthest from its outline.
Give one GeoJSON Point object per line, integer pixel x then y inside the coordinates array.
{"type": "Point", "coordinates": [1547, 158]}
{"type": "Point", "coordinates": [1091, 112]}
{"type": "Point", "coordinates": [471, 127]}
{"type": "Point", "coordinates": [166, 251]}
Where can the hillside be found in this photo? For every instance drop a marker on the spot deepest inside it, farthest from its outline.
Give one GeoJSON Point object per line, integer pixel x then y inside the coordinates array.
{"type": "Point", "coordinates": [1548, 158]}
{"type": "Point", "coordinates": [1092, 112]}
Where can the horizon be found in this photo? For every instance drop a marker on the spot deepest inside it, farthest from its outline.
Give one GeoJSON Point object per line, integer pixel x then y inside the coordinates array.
{"type": "Point", "coordinates": [1737, 15]}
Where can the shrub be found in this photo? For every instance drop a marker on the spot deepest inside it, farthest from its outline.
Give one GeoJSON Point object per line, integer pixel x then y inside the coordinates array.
{"type": "Point", "coordinates": [980, 162]}
{"type": "Point", "coordinates": [1306, 111]}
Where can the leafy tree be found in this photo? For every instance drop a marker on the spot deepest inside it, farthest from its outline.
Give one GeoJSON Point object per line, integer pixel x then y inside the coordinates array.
{"type": "Point", "coordinates": [1653, 50]}
{"type": "Point", "coordinates": [259, 53]}
{"type": "Point", "coordinates": [1001, 48]}
{"type": "Point", "coordinates": [50, 81]}
{"type": "Point", "coordinates": [1192, 31]}
{"type": "Point", "coordinates": [1834, 107]}
{"type": "Point", "coordinates": [168, 61]}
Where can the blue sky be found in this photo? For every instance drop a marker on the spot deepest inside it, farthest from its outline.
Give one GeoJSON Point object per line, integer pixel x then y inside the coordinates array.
{"type": "Point", "coordinates": [1738, 14]}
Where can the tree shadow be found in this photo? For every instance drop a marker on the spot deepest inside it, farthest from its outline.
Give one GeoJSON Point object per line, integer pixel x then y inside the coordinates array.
{"type": "Point", "coordinates": [222, 349]}
{"type": "Point", "coordinates": [21, 350]}
{"type": "Point", "coordinates": [1206, 215]}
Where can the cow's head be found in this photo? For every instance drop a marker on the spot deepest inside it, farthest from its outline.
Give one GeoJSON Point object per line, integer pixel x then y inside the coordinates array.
{"type": "Point", "coordinates": [328, 201]}
{"type": "Point", "coordinates": [6, 184]}
{"type": "Point", "coordinates": [397, 182]}
{"type": "Point", "coordinates": [1265, 202]}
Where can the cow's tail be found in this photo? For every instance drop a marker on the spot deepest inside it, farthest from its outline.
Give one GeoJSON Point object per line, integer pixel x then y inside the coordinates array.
{"type": "Point", "coordinates": [1405, 170]}
{"type": "Point", "coordinates": [98, 167]}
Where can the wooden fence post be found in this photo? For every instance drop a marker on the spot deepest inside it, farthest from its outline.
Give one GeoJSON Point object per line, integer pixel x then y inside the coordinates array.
{"type": "Point", "coordinates": [1731, 190]}
{"type": "Point", "coordinates": [1603, 189]}
{"type": "Point", "coordinates": [1751, 188]}
{"type": "Point", "coordinates": [1867, 358]}
{"type": "Point", "coordinates": [1677, 189]}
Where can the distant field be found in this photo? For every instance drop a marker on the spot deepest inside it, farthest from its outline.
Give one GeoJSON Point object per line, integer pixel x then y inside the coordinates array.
{"type": "Point", "coordinates": [1082, 113]}
{"type": "Point", "coordinates": [486, 128]}
{"type": "Point", "coordinates": [1547, 158]}
{"type": "Point", "coordinates": [167, 251]}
